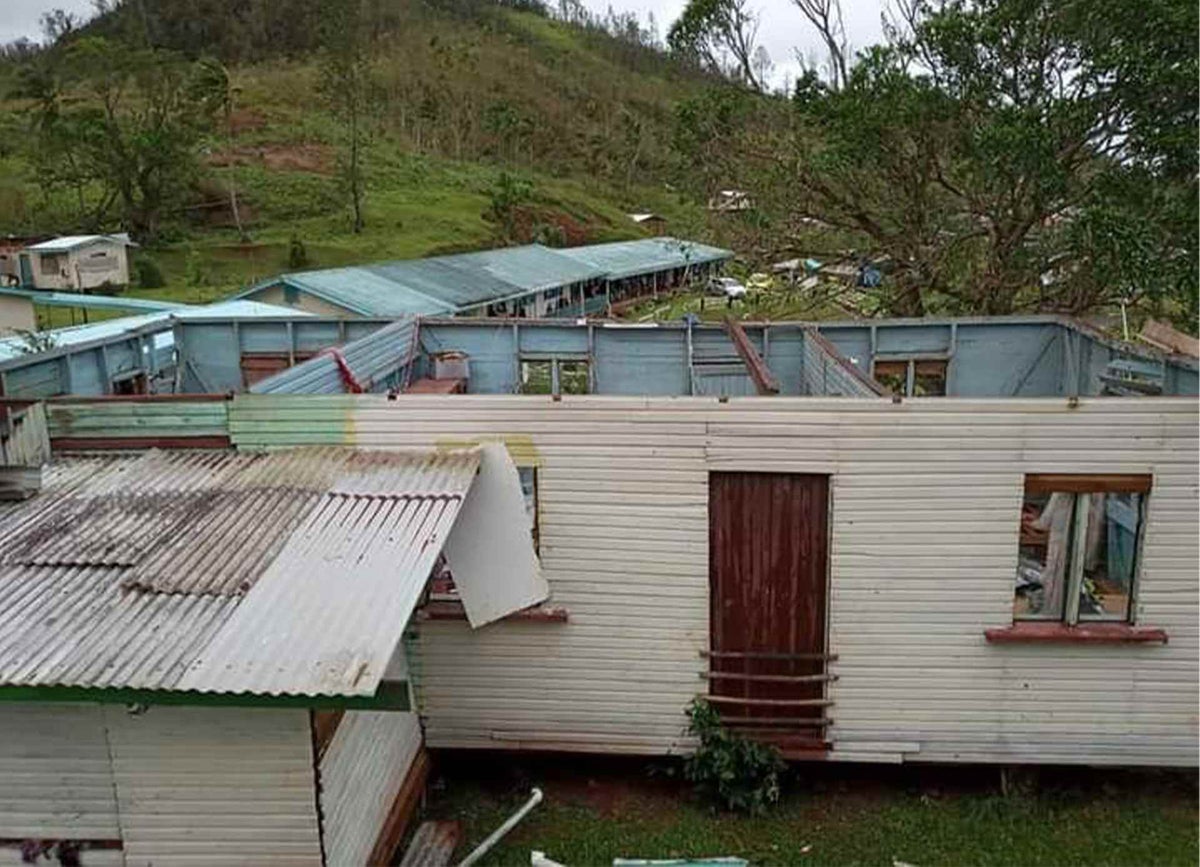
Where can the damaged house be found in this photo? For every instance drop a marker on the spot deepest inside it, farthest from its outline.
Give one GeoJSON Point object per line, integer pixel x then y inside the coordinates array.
{"type": "Point", "coordinates": [889, 541]}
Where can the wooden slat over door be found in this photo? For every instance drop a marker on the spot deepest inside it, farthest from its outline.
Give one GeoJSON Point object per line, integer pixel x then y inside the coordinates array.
{"type": "Point", "coordinates": [768, 557]}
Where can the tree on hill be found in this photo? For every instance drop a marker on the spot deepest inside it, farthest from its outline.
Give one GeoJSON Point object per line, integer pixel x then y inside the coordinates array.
{"type": "Point", "coordinates": [720, 35]}
{"type": "Point", "coordinates": [1004, 155]}
{"type": "Point", "coordinates": [348, 87]}
{"type": "Point", "coordinates": [117, 126]}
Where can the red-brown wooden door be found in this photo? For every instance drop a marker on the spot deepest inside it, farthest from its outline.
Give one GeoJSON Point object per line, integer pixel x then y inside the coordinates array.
{"type": "Point", "coordinates": [768, 561]}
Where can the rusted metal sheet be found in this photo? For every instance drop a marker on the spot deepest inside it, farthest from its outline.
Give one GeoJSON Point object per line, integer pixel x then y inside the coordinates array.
{"type": "Point", "coordinates": [292, 572]}
{"type": "Point", "coordinates": [768, 560]}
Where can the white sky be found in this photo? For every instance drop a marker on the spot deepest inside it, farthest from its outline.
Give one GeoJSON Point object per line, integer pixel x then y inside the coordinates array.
{"type": "Point", "coordinates": [782, 28]}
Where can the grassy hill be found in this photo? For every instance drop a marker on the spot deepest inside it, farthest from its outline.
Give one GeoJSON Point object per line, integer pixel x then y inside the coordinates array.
{"type": "Point", "coordinates": [466, 94]}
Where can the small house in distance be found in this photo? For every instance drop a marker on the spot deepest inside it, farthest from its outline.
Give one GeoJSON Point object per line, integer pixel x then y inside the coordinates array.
{"type": "Point", "coordinates": [652, 222]}
{"type": "Point", "coordinates": [76, 262]}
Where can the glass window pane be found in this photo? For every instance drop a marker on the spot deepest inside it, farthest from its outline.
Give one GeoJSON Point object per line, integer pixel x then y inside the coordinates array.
{"type": "Point", "coordinates": [1110, 555]}
{"type": "Point", "coordinates": [528, 476]}
{"type": "Point", "coordinates": [1044, 553]}
{"type": "Point", "coordinates": [929, 379]}
{"type": "Point", "coordinates": [573, 377]}
{"type": "Point", "coordinates": [892, 375]}
{"type": "Point", "coordinates": [535, 377]}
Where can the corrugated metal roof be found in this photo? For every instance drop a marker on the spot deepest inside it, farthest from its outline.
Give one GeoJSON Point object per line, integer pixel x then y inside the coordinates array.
{"type": "Point", "coordinates": [72, 242]}
{"type": "Point", "coordinates": [371, 359]}
{"type": "Point", "coordinates": [89, 302]}
{"type": "Point", "coordinates": [292, 572]}
{"type": "Point", "coordinates": [441, 284]}
{"type": "Point", "coordinates": [16, 347]}
{"type": "Point", "coordinates": [629, 258]}
{"type": "Point", "coordinates": [362, 291]}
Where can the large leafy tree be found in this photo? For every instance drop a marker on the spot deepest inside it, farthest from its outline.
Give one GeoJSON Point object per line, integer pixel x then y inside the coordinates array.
{"type": "Point", "coordinates": [1008, 155]}
{"type": "Point", "coordinates": [119, 126]}
{"type": "Point", "coordinates": [721, 35]}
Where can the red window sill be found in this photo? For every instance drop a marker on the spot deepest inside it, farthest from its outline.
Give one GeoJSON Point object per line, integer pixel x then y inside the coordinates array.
{"type": "Point", "coordinates": [1031, 632]}
{"type": "Point", "coordinates": [445, 610]}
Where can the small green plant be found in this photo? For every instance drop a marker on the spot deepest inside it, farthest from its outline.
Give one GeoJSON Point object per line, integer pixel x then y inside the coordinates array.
{"type": "Point", "coordinates": [149, 275]}
{"type": "Point", "coordinates": [739, 774]}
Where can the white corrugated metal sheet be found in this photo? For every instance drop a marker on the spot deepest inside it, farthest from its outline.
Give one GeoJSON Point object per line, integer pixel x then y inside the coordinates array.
{"type": "Point", "coordinates": [55, 777]}
{"type": "Point", "coordinates": [924, 543]}
{"type": "Point", "coordinates": [361, 774]}
{"type": "Point", "coordinates": [293, 572]}
{"type": "Point", "coordinates": [172, 785]}
{"type": "Point", "coordinates": [214, 785]}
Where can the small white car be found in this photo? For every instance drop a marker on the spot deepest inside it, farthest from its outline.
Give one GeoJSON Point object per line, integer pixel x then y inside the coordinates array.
{"type": "Point", "coordinates": [727, 286]}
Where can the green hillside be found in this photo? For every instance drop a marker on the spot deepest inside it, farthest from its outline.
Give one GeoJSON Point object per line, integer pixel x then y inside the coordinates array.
{"type": "Point", "coordinates": [463, 96]}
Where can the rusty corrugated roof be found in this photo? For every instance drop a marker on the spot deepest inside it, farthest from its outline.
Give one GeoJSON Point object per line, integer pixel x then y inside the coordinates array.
{"type": "Point", "coordinates": [290, 572]}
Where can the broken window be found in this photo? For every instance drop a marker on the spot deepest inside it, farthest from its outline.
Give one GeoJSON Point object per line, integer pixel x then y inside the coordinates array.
{"type": "Point", "coordinates": [555, 376]}
{"type": "Point", "coordinates": [1079, 545]}
{"type": "Point", "coordinates": [441, 586]}
{"type": "Point", "coordinates": [912, 377]}
{"type": "Point", "coordinates": [537, 377]}
{"type": "Point", "coordinates": [51, 263]}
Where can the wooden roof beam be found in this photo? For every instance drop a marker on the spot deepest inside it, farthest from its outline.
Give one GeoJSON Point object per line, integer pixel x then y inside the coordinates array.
{"type": "Point", "coordinates": [764, 380]}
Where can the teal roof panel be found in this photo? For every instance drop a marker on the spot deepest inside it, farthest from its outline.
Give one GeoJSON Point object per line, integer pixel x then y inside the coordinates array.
{"type": "Point", "coordinates": [622, 259]}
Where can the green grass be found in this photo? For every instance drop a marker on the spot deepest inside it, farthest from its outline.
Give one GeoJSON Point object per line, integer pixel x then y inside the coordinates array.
{"type": "Point", "coordinates": [1090, 819]}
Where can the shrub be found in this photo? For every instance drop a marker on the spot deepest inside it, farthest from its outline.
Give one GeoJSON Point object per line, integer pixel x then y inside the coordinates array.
{"type": "Point", "coordinates": [297, 254]}
{"type": "Point", "coordinates": [149, 275]}
{"type": "Point", "coordinates": [739, 774]}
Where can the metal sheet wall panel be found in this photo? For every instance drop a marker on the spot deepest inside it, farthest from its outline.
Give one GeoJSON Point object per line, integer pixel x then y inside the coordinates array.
{"type": "Point", "coordinates": [923, 548]}
{"type": "Point", "coordinates": [215, 785]}
{"type": "Point", "coordinates": [825, 372]}
{"type": "Point", "coordinates": [121, 419]}
{"type": "Point", "coordinates": [362, 771]}
{"type": "Point", "coordinates": [55, 776]}
{"type": "Point", "coordinates": [27, 444]}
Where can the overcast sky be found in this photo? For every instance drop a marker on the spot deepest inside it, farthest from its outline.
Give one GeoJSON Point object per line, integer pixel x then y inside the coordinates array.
{"type": "Point", "coordinates": [782, 30]}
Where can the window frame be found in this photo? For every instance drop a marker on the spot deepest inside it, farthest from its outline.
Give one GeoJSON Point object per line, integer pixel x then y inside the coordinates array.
{"type": "Point", "coordinates": [1077, 485]}
{"type": "Point", "coordinates": [911, 363]}
{"type": "Point", "coordinates": [554, 360]}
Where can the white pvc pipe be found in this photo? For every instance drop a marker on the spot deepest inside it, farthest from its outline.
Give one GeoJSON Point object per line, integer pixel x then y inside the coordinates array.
{"type": "Point", "coordinates": [511, 822]}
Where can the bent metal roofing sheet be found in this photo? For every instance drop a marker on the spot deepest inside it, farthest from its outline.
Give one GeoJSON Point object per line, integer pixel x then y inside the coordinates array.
{"type": "Point", "coordinates": [370, 360]}
{"type": "Point", "coordinates": [284, 573]}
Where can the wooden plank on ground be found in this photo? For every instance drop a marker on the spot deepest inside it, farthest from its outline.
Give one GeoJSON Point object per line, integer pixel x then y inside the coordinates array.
{"type": "Point", "coordinates": [433, 844]}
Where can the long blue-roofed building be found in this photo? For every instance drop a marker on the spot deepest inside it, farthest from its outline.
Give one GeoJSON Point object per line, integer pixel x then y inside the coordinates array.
{"type": "Point", "coordinates": [531, 281]}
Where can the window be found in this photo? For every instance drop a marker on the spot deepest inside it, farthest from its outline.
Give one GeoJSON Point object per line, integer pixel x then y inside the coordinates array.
{"type": "Point", "coordinates": [291, 295]}
{"type": "Point", "coordinates": [529, 489]}
{"type": "Point", "coordinates": [51, 263]}
{"type": "Point", "coordinates": [555, 376]}
{"type": "Point", "coordinates": [135, 384]}
{"type": "Point", "coordinates": [441, 587]}
{"type": "Point", "coordinates": [1079, 547]}
{"type": "Point", "coordinates": [912, 377]}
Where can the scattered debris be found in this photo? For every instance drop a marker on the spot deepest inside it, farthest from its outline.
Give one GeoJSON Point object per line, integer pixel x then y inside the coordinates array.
{"type": "Point", "coordinates": [433, 844]}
